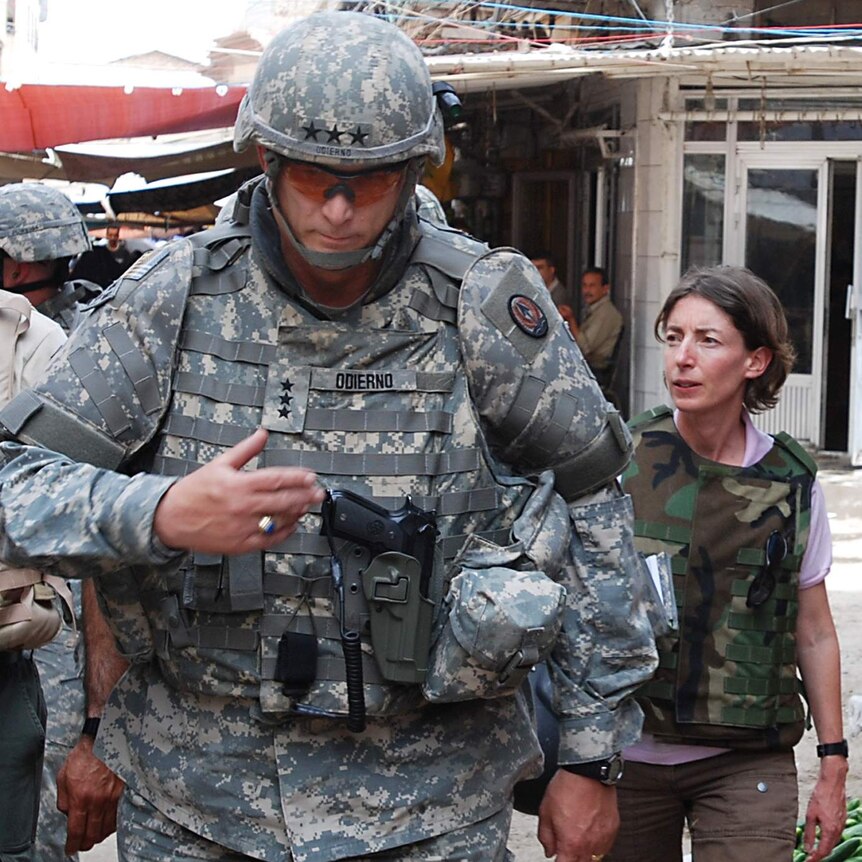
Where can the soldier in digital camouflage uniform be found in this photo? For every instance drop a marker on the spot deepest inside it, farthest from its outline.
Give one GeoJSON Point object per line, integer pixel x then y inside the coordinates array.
{"type": "Point", "coordinates": [300, 690]}
{"type": "Point", "coordinates": [743, 519]}
{"type": "Point", "coordinates": [41, 230]}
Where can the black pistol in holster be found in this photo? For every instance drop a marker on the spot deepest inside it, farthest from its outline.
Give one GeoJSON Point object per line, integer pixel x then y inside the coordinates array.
{"type": "Point", "coordinates": [383, 575]}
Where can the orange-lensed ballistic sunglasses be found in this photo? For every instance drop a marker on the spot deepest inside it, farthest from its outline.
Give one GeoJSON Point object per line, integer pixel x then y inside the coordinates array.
{"type": "Point", "coordinates": [361, 189]}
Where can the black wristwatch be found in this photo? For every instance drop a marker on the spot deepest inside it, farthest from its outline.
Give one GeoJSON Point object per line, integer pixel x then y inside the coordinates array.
{"type": "Point", "coordinates": [828, 749]}
{"type": "Point", "coordinates": [91, 726]}
{"type": "Point", "coordinates": [608, 771]}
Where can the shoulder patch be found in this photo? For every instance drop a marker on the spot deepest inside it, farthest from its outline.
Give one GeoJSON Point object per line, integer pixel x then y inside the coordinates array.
{"type": "Point", "coordinates": [513, 298]}
{"type": "Point", "coordinates": [528, 316]}
{"type": "Point", "coordinates": [791, 445]}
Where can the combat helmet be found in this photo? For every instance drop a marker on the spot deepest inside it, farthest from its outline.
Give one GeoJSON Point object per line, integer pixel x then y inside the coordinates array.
{"type": "Point", "coordinates": [342, 87]}
{"type": "Point", "coordinates": [38, 223]}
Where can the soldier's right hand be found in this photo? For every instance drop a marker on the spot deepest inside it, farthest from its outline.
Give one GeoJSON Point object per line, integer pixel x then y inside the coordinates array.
{"type": "Point", "coordinates": [218, 508]}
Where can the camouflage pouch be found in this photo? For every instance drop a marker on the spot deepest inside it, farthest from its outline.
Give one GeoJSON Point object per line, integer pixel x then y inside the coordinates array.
{"type": "Point", "coordinates": [500, 622]}
{"type": "Point", "coordinates": [29, 615]}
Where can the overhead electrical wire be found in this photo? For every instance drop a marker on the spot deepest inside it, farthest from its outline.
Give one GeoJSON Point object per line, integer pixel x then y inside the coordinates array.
{"type": "Point", "coordinates": [639, 27]}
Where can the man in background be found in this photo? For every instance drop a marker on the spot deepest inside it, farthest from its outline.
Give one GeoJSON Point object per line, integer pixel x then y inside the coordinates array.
{"type": "Point", "coordinates": [544, 262]}
{"type": "Point", "coordinates": [107, 261]}
{"type": "Point", "coordinates": [601, 324]}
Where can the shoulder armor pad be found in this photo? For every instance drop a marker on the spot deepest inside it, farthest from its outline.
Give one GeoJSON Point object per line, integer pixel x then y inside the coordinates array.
{"type": "Point", "coordinates": [530, 383]}
{"type": "Point", "coordinates": [649, 416]}
{"type": "Point", "coordinates": [792, 446]}
{"type": "Point", "coordinates": [215, 253]}
{"type": "Point", "coordinates": [102, 400]}
{"type": "Point", "coordinates": [450, 251]}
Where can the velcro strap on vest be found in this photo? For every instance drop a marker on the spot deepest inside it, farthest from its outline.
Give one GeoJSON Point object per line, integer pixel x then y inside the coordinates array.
{"type": "Point", "coordinates": [658, 690]}
{"type": "Point", "coordinates": [432, 308]}
{"type": "Point", "coordinates": [251, 352]}
{"type": "Point", "coordinates": [761, 622]}
{"type": "Point", "coordinates": [757, 557]}
{"type": "Point", "coordinates": [214, 637]}
{"type": "Point", "coordinates": [330, 669]}
{"type": "Point", "coordinates": [664, 533]}
{"type": "Point", "coordinates": [782, 592]}
{"type": "Point", "coordinates": [783, 652]}
{"type": "Point", "coordinates": [754, 717]}
{"type": "Point", "coordinates": [761, 687]}
{"type": "Point", "coordinates": [292, 586]}
{"type": "Point", "coordinates": [375, 464]}
{"type": "Point", "coordinates": [138, 367]}
{"type": "Point", "coordinates": [226, 393]}
{"type": "Point", "coordinates": [102, 395]}
{"type": "Point", "coordinates": [245, 581]}
{"type": "Point", "coordinates": [274, 625]}
{"type": "Point", "coordinates": [180, 634]}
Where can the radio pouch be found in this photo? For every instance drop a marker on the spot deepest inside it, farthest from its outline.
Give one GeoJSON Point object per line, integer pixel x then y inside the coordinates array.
{"type": "Point", "coordinates": [499, 622]}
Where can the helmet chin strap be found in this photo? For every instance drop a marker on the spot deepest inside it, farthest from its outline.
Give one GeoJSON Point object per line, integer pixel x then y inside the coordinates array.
{"type": "Point", "coordinates": [338, 260]}
{"type": "Point", "coordinates": [24, 289]}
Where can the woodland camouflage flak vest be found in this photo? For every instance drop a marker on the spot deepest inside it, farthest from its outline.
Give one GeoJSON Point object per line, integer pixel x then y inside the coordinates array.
{"type": "Point", "coordinates": [728, 677]}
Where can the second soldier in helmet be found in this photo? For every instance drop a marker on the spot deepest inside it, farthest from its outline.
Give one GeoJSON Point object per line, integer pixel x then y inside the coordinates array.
{"type": "Point", "coordinates": [325, 337]}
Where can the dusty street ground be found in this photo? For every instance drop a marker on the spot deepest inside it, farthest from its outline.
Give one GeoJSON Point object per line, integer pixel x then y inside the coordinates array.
{"type": "Point", "coordinates": [843, 489]}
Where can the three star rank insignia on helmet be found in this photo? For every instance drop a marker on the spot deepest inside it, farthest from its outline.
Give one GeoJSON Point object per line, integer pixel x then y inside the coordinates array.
{"type": "Point", "coordinates": [322, 132]}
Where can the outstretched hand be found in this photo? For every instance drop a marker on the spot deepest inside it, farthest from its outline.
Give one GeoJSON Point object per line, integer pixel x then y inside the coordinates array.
{"type": "Point", "coordinates": [217, 508]}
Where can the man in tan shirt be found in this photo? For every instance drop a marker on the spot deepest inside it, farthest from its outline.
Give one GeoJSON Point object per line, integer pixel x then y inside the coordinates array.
{"type": "Point", "coordinates": [601, 324]}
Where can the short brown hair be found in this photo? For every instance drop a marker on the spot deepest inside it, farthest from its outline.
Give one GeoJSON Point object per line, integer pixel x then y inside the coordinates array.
{"type": "Point", "coordinates": [756, 313]}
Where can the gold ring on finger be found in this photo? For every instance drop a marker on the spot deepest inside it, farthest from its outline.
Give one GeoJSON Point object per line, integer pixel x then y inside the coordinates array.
{"type": "Point", "coordinates": [597, 857]}
{"type": "Point", "coordinates": [266, 525]}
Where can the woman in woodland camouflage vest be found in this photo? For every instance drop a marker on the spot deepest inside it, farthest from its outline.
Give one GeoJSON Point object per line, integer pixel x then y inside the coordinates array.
{"type": "Point", "coordinates": [742, 519]}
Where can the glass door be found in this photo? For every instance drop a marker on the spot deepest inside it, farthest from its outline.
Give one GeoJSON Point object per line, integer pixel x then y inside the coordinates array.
{"type": "Point", "coordinates": [778, 232]}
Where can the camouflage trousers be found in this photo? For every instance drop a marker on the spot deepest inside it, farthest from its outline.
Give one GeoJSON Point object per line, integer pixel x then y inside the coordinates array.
{"type": "Point", "coordinates": [22, 741]}
{"type": "Point", "coordinates": [61, 672]}
{"type": "Point", "coordinates": [144, 834]}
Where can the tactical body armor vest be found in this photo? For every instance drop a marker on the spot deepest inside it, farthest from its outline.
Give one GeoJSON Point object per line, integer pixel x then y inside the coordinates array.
{"type": "Point", "coordinates": [379, 407]}
{"type": "Point", "coordinates": [728, 677]}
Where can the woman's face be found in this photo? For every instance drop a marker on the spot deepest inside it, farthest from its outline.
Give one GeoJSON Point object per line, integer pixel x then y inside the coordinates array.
{"type": "Point", "coordinates": [706, 362]}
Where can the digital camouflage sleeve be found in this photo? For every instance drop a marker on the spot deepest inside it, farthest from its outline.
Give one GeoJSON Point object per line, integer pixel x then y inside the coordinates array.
{"type": "Point", "coordinates": [543, 409]}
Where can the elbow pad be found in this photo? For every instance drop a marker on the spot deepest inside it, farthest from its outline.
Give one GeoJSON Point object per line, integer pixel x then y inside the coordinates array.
{"type": "Point", "coordinates": [538, 399]}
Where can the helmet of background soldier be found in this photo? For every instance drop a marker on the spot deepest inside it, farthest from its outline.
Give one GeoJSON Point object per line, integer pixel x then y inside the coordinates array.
{"type": "Point", "coordinates": [342, 87]}
{"type": "Point", "coordinates": [39, 223]}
